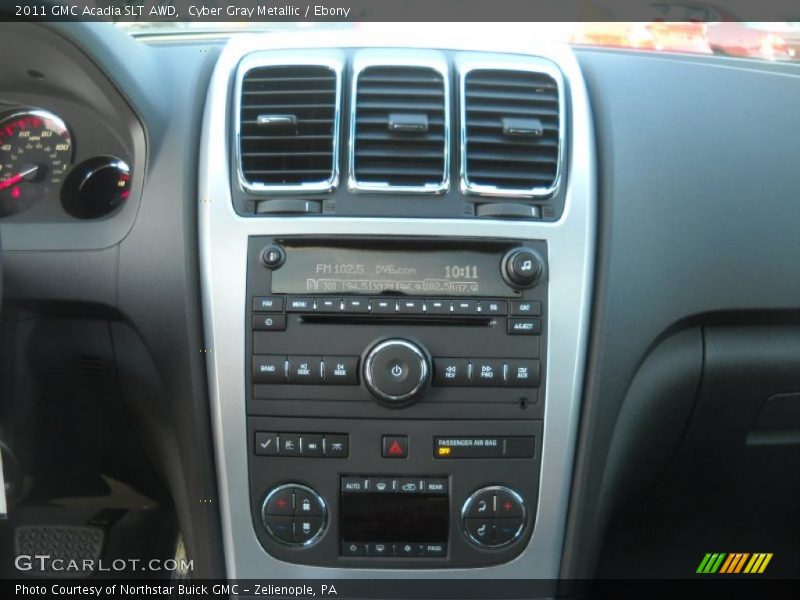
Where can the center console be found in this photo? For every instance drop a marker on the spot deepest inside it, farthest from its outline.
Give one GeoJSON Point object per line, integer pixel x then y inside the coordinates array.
{"type": "Point", "coordinates": [396, 251]}
{"type": "Point", "coordinates": [402, 418]}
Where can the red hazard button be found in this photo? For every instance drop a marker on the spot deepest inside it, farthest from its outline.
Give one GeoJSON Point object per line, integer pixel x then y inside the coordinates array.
{"type": "Point", "coordinates": [395, 446]}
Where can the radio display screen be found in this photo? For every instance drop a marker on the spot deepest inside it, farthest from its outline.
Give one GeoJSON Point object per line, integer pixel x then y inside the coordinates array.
{"type": "Point", "coordinates": [381, 517]}
{"type": "Point", "coordinates": [423, 271]}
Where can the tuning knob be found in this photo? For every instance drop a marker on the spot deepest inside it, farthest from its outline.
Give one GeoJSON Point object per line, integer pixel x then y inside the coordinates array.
{"type": "Point", "coordinates": [396, 371]}
{"type": "Point", "coordinates": [522, 268]}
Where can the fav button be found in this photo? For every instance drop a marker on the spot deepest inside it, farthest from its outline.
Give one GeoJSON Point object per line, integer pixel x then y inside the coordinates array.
{"type": "Point", "coordinates": [268, 304]}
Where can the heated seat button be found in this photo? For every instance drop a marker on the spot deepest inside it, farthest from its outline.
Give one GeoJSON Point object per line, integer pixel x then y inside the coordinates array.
{"type": "Point", "coordinates": [480, 531]}
{"type": "Point", "coordinates": [395, 446]}
{"type": "Point", "coordinates": [487, 372]}
{"type": "Point", "coordinates": [269, 369]}
{"type": "Point", "coordinates": [481, 506]}
{"type": "Point", "coordinates": [523, 373]}
{"type": "Point", "coordinates": [281, 528]}
{"type": "Point", "coordinates": [451, 371]}
{"type": "Point", "coordinates": [305, 369]}
{"type": "Point", "coordinates": [341, 370]}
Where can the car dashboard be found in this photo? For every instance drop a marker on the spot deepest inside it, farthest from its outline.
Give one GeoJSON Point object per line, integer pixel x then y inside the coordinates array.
{"type": "Point", "coordinates": [425, 302]}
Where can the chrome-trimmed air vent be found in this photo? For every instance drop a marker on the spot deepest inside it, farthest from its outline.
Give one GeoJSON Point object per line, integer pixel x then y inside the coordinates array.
{"type": "Point", "coordinates": [288, 109]}
{"type": "Point", "coordinates": [512, 128]}
{"type": "Point", "coordinates": [400, 123]}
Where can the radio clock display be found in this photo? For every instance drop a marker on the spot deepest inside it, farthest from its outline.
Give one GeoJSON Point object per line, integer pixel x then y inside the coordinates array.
{"type": "Point", "coordinates": [406, 271]}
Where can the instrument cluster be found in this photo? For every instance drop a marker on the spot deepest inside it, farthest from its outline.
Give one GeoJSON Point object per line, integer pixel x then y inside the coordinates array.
{"type": "Point", "coordinates": [37, 165]}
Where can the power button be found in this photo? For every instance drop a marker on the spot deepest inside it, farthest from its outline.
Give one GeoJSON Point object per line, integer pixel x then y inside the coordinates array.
{"type": "Point", "coordinates": [396, 371]}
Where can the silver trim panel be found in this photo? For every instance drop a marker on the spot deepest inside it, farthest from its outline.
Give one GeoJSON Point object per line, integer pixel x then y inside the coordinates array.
{"type": "Point", "coordinates": [431, 59]}
{"type": "Point", "coordinates": [332, 59]}
{"type": "Point", "coordinates": [223, 237]}
{"type": "Point", "coordinates": [464, 66]}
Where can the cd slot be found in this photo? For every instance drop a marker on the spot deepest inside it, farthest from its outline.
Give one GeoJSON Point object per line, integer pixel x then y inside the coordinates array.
{"type": "Point", "coordinates": [371, 319]}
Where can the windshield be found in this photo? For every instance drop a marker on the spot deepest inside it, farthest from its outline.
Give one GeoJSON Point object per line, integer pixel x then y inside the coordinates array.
{"type": "Point", "coordinates": [701, 32]}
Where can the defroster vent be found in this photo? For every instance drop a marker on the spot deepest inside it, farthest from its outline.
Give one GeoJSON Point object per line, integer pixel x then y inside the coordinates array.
{"type": "Point", "coordinates": [288, 128]}
{"type": "Point", "coordinates": [400, 130]}
{"type": "Point", "coordinates": [512, 132]}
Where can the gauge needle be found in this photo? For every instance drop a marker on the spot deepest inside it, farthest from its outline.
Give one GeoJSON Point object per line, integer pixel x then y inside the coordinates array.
{"type": "Point", "coordinates": [27, 173]}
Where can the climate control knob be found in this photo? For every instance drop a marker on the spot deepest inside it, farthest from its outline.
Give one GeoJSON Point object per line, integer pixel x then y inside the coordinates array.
{"type": "Point", "coordinates": [294, 515]}
{"type": "Point", "coordinates": [522, 268]}
{"type": "Point", "coordinates": [494, 517]}
{"type": "Point", "coordinates": [396, 371]}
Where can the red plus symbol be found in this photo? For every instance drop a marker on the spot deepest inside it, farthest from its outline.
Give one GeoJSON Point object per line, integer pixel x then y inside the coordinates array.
{"type": "Point", "coordinates": [281, 503]}
{"type": "Point", "coordinates": [507, 506]}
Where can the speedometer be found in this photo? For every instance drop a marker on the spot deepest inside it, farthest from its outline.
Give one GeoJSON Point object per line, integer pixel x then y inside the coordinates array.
{"type": "Point", "coordinates": [35, 152]}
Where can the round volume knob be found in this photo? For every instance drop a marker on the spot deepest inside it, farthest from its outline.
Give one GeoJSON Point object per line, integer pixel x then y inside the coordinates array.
{"type": "Point", "coordinates": [522, 268]}
{"type": "Point", "coordinates": [396, 371]}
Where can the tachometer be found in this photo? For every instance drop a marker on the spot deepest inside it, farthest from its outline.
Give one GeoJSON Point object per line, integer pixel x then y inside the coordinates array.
{"type": "Point", "coordinates": [35, 152]}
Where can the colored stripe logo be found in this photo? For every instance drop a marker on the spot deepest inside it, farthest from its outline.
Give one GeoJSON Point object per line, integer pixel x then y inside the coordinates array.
{"type": "Point", "coordinates": [734, 563]}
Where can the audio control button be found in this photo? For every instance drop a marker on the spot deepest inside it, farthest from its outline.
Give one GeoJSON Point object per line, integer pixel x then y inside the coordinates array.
{"type": "Point", "coordinates": [356, 305]}
{"type": "Point", "coordinates": [328, 305]}
{"type": "Point", "coordinates": [526, 308]}
{"type": "Point", "coordinates": [487, 372]}
{"type": "Point", "coordinates": [437, 307]}
{"type": "Point", "coordinates": [380, 306]}
{"type": "Point", "coordinates": [465, 307]}
{"type": "Point", "coordinates": [492, 307]}
{"type": "Point", "coordinates": [341, 370]}
{"type": "Point", "coordinates": [296, 304]}
{"type": "Point", "coordinates": [269, 369]}
{"type": "Point", "coordinates": [396, 371]}
{"type": "Point", "coordinates": [525, 326]}
{"type": "Point", "coordinates": [451, 372]}
{"type": "Point", "coordinates": [269, 322]}
{"type": "Point", "coordinates": [268, 304]}
{"type": "Point", "coordinates": [523, 373]}
{"type": "Point", "coordinates": [410, 306]}
{"type": "Point", "coordinates": [305, 369]}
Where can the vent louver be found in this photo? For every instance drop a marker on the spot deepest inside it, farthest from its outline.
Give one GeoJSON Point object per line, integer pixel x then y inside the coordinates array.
{"type": "Point", "coordinates": [400, 130]}
{"type": "Point", "coordinates": [288, 128]}
{"type": "Point", "coordinates": [512, 138]}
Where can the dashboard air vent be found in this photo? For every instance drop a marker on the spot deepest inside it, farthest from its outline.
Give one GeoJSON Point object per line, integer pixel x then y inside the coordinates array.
{"type": "Point", "coordinates": [512, 132]}
{"type": "Point", "coordinates": [288, 126]}
{"type": "Point", "coordinates": [400, 130]}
